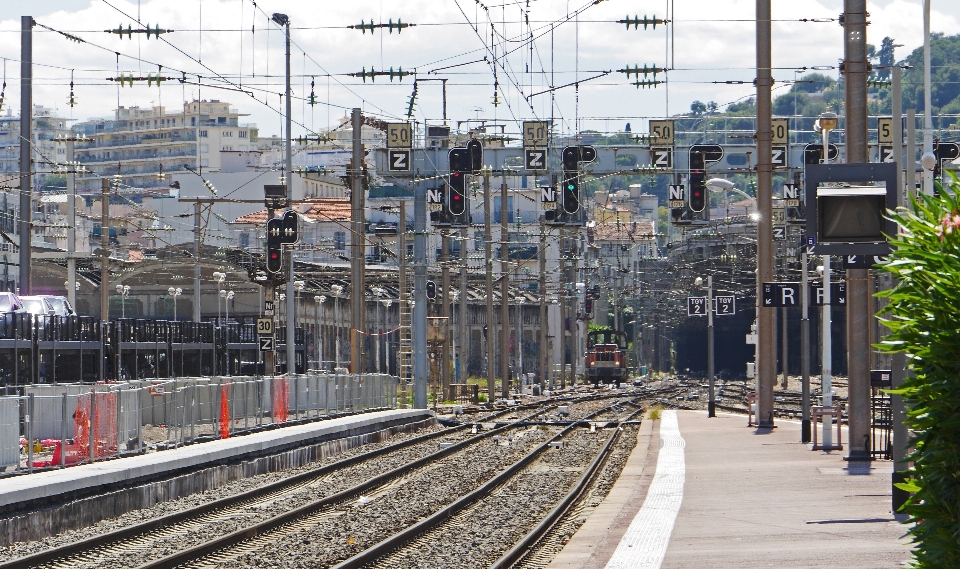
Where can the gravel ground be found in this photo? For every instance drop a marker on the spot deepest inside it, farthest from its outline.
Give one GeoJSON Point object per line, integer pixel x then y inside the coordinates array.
{"type": "Point", "coordinates": [482, 469]}
{"type": "Point", "coordinates": [232, 488]}
{"type": "Point", "coordinates": [336, 535]}
{"type": "Point", "coordinates": [476, 537]}
{"type": "Point", "coordinates": [558, 537]}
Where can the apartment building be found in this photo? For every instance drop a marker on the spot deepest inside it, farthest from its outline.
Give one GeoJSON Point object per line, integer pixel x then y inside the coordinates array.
{"type": "Point", "coordinates": [141, 143]}
{"type": "Point", "coordinates": [47, 125]}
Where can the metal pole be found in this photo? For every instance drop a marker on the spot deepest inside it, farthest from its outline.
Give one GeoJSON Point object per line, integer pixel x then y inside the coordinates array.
{"type": "Point", "coordinates": [288, 165]}
{"type": "Point", "coordinates": [910, 162]}
{"type": "Point", "coordinates": [766, 319]}
{"type": "Point", "coordinates": [712, 405]}
{"type": "Point", "coordinates": [196, 261]}
{"type": "Point", "coordinates": [784, 348]}
{"type": "Point", "coordinates": [859, 313]}
{"type": "Point", "coordinates": [357, 250]}
{"type": "Point", "coordinates": [402, 280]}
{"type": "Point", "coordinates": [104, 253]}
{"type": "Point", "coordinates": [445, 312]}
{"type": "Point", "coordinates": [464, 353]}
{"type": "Point", "coordinates": [420, 296]}
{"type": "Point", "coordinates": [488, 274]}
{"type": "Point", "coordinates": [71, 227]}
{"type": "Point", "coordinates": [898, 367]}
{"type": "Point", "coordinates": [26, 150]}
{"type": "Point", "coordinates": [804, 348]}
{"type": "Point", "coordinates": [504, 291]}
{"type": "Point", "coordinates": [542, 290]}
{"type": "Point", "coordinates": [927, 111]}
{"type": "Point", "coordinates": [826, 379]}
{"type": "Point", "coordinates": [562, 332]}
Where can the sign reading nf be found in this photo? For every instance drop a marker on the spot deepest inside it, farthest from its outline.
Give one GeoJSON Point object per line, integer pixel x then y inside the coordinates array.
{"type": "Point", "coordinates": [676, 196]}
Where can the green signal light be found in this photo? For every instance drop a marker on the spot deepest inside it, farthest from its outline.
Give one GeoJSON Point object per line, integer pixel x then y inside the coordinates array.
{"type": "Point", "coordinates": [571, 187]}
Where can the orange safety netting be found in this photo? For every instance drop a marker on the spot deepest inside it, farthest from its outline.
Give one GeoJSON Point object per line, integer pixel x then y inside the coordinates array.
{"type": "Point", "coordinates": [281, 398]}
{"type": "Point", "coordinates": [224, 412]}
{"type": "Point", "coordinates": [102, 414]}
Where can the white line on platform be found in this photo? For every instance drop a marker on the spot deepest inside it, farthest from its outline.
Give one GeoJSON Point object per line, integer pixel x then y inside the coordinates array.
{"type": "Point", "coordinates": [645, 543]}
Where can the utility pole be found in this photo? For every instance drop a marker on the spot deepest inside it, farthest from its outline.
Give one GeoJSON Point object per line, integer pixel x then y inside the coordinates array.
{"type": "Point", "coordinates": [71, 225]}
{"type": "Point", "coordinates": [464, 356]}
{"type": "Point", "coordinates": [927, 111]}
{"type": "Point", "coordinates": [804, 347]}
{"type": "Point", "coordinates": [563, 307]}
{"type": "Point", "coordinates": [404, 299]}
{"type": "Point", "coordinates": [196, 261]}
{"type": "Point", "coordinates": [445, 311]}
{"type": "Point", "coordinates": [26, 151]}
{"type": "Point", "coordinates": [288, 166]}
{"type": "Point", "coordinates": [859, 315]}
{"type": "Point", "coordinates": [712, 406]}
{"type": "Point", "coordinates": [488, 274]}
{"type": "Point", "coordinates": [504, 290]}
{"type": "Point", "coordinates": [766, 319]}
{"type": "Point", "coordinates": [898, 367]}
{"type": "Point", "coordinates": [358, 258]}
{"type": "Point", "coordinates": [420, 295]}
{"type": "Point", "coordinates": [104, 250]}
{"type": "Point", "coordinates": [542, 290]}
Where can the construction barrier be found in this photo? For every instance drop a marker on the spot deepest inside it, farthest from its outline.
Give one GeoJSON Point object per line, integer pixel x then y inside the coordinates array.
{"type": "Point", "coordinates": [48, 426]}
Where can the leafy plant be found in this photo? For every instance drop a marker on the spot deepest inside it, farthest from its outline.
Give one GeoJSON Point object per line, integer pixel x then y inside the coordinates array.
{"type": "Point", "coordinates": [655, 412]}
{"type": "Point", "coordinates": [922, 316]}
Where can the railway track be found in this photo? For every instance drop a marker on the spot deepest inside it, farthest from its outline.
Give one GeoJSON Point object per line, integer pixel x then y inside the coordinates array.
{"type": "Point", "coordinates": [270, 504]}
{"type": "Point", "coordinates": [464, 533]}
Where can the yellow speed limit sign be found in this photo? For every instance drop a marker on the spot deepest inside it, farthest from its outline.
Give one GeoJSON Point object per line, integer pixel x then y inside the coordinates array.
{"type": "Point", "coordinates": [265, 326]}
{"type": "Point", "coordinates": [781, 131]}
{"type": "Point", "coordinates": [661, 133]}
{"type": "Point", "coordinates": [399, 135]}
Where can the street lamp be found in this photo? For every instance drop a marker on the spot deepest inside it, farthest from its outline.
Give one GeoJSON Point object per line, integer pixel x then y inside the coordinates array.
{"type": "Point", "coordinates": [124, 292]}
{"type": "Point", "coordinates": [227, 296]}
{"type": "Point", "coordinates": [379, 292]}
{"type": "Point", "coordinates": [455, 296]}
{"type": "Point", "coordinates": [219, 277]}
{"type": "Point", "coordinates": [318, 300]}
{"type": "Point", "coordinates": [174, 292]}
{"type": "Point", "coordinates": [336, 290]}
{"type": "Point", "coordinates": [826, 123]}
{"type": "Point", "coordinates": [712, 404]}
{"type": "Point", "coordinates": [386, 302]}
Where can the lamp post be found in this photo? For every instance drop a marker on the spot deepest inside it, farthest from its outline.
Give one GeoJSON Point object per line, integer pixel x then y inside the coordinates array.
{"type": "Point", "coordinates": [712, 403]}
{"type": "Point", "coordinates": [386, 302]}
{"type": "Point", "coordinates": [826, 123]}
{"type": "Point", "coordinates": [520, 375]}
{"type": "Point", "coordinates": [379, 292]}
{"type": "Point", "coordinates": [336, 290]}
{"type": "Point", "coordinates": [317, 301]}
{"type": "Point", "coordinates": [124, 292]}
{"type": "Point", "coordinates": [455, 296]}
{"type": "Point", "coordinates": [174, 292]}
{"type": "Point", "coordinates": [219, 277]}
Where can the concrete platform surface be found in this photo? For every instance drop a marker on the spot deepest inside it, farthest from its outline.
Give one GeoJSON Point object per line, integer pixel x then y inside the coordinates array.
{"type": "Point", "coordinates": [49, 485]}
{"type": "Point", "coordinates": [749, 499]}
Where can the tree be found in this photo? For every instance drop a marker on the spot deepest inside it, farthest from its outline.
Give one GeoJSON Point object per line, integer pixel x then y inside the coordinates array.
{"type": "Point", "coordinates": [944, 74]}
{"type": "Point", "coordinates": [922, 319]}
{"type": "Point", "coordinates": [697, 108]}
{"type": "Point", "coordinates": [747, 107]}
{"type": "Point", "coordinates": [712, 107]}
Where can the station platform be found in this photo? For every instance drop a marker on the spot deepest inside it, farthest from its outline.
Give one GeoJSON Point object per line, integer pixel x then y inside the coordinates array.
{"type": "Point", "coordinates": [237, 457]}
{"type": "Point", "coordinates": [701, 492]}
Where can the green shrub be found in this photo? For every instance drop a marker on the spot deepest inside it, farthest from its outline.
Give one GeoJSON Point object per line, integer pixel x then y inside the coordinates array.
{"type": "Point", "coordinates": [655, 412]}
{"type": "Point", "coordinates": [923, 318]}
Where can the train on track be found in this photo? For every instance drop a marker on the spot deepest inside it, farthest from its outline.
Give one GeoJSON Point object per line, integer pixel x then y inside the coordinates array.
{"type": "Point", "coordinates": [606, 360]}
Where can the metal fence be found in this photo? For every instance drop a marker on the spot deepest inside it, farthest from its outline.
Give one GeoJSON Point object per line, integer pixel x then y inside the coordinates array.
{"type": "Point", "coordinates": [51, 426]}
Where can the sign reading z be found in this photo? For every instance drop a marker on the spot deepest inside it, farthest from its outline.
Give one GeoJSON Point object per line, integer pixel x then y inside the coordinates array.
{"type": "Point", "coordinates": [399, 160]}
{"type": "Point", "coordinates": [662, 157]}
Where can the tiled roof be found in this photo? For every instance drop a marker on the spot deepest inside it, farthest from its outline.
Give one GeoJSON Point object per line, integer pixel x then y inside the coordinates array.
{"type": "Point", "coordinates": [319, 209]}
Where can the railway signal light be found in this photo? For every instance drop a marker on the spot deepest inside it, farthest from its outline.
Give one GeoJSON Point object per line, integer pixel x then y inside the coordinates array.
{"type": "Point", "coordinates": [700, 156]}
{"type": "Point", "coordinates": [431, 290]}
{"type": "Point", "coordinates": [275, 245]}
{"type": "Point", "coordinates": [460, 164]}
{"type": "Point", "coordinates": [571, 157]}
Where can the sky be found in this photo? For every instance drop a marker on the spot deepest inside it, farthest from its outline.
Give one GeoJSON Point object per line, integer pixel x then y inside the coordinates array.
{"type": "Point", "coordinates": [238, 55]}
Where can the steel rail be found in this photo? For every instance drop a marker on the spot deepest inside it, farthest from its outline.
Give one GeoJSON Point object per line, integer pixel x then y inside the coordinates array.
{"type": "Point", "coordinates": [396, 540]}
{"type": "Point", "coordinates": [233, 538]}
{"type": "Point", "coordinates": [526, 544]}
